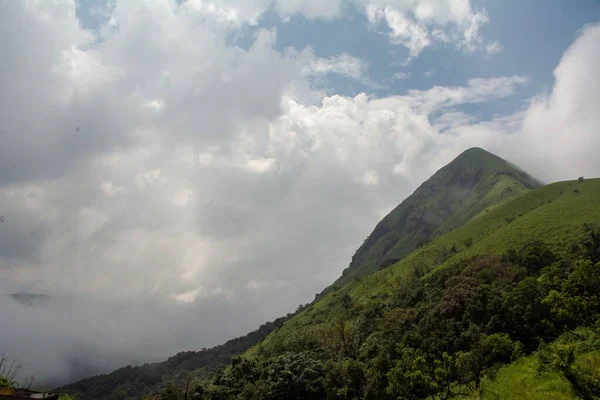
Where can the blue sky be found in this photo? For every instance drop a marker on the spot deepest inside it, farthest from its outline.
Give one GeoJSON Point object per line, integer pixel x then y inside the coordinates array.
{"type": "Point", "coordinates": [206, 157]}
{"type": "Point", "coordinates": [534, 34]}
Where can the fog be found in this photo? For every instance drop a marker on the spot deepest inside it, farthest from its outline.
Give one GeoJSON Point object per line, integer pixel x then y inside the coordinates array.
{"type": "Point", "coordinates": [169, 194]}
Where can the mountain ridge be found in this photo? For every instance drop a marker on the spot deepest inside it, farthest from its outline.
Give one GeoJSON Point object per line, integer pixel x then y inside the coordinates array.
{"type": "Point", "coordinates": [473, 181]}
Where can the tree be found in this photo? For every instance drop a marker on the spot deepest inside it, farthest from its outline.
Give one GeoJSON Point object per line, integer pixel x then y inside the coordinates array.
{"type": "Point", "coordinates": [346, 380]}
{"type": "Point", "coordinates": [346, 301]}
{"type": "Point", "coordinates": [346, 338]}
{"type": "Point", "coordinates": [491, 351]}
{"type": "Point", "coordinates": [591, 243]}
{"type": "Point", "coordinates": [578, 298]}
{"type": "Point", "coordinates": [526, 317]}
{"type": "Point", "coordinates": [411, 377]}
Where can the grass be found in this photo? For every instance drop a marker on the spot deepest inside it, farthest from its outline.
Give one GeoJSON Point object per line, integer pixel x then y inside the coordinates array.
{"type": "Point", "coordinates": [553, 214]}
{"type": "Point", "coordinates": [520, 380]}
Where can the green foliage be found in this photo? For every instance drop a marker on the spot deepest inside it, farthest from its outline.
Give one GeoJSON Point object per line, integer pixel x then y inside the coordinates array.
{"type": "Point", "coordinates": [287, 376]}
{"type": "Point", "coordinates": [577, 299]}
{"type": "Point", "coordinates": [450, 332]}
{"type": "Point", "coordinates": [577, 359]}
{"type": "Point", "coordinates": [8, 372]}
{"type": "Point", "coordinates": [487, 354]}
{"type": "Point", "coordinates": [520, 380]}
{"type": "Point", "coordinates": [346, 380]}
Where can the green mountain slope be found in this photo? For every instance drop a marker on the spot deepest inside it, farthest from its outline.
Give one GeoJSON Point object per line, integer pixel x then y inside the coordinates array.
{"type": "Point", "coordinates": [474, 181]}
{"type": "Point", "coordinates": [553, 215]}
{"type": "Point", "coordinates": [466, 315]}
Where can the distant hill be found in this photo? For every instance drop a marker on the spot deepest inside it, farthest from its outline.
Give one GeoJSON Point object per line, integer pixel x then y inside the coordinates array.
{"type": "Point", "coordinates": [30, 299]}
{"type": "Point", "coordinates": [474, 181]}
{"type": "Point", "coordinates": [133, 382]}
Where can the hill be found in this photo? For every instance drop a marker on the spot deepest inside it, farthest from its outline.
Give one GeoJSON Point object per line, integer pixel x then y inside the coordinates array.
{"type": "Point", "coordinates": [553, 215]}
{"type": "Point", "coordinates": [510, 290]}
{"type": "Point", "coordinates": [134, 382]}
{"type": "Point", "coordinates": [467, 315]}
{"type": "Point", "coordinates": [30, 299]}
{"type": "Point", "coordinates": [474, 181]}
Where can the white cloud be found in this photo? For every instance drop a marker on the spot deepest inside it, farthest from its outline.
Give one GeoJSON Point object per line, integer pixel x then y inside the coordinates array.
{"type": "Point", "coordinates": [494, 47]}
{"type": "Point", "coordinates": [261, 165]}
{"type": "Point", "coordinates": [149, 178]}
{"type": "Point", "coordinates": [452, 119]}
{"type": "Point", "coordinates": [311, 9]}
{"type": "Point", "coordinates": [418, 24]}
{"type": "Point", "coordinates": [109, 188]}
{"type": "Point", "coordinates": [559, 137]}
{"type": "Point", "coordinates": [405, 31]}
{"type": "Point", "coordinates": [401, 76]}
{"type": "Point", "coordinates": [478, 90]}
{"type": "Point", "coordinates": [343, 64]}
{"type": "Point", "coordinates": [370, 178]}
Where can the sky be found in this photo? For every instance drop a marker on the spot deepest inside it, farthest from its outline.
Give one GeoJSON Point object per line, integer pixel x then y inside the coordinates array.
{"type": "Point", "coordinates": [175, 173]}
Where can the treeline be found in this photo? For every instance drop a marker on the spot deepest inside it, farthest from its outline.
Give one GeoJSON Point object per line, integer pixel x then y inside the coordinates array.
{"type": "Point", "coordinates": [438, 336]}
{"type": "Point", "coordinates": [134, 382]}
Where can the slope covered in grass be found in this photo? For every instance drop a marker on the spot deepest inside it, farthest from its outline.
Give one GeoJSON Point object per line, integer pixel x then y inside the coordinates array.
{"type": "Point", "coordinates": [474, 181]}
{"type": "Point", "coordinates": [542, 375]}
{"type": "Point", "coordinates": [553, 215]}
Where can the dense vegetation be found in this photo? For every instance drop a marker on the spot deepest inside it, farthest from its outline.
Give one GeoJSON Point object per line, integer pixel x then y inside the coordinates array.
{"type": "Point", "coordinates": [474, 181]}
{"type": "Point", "coordinates": [441, 335]}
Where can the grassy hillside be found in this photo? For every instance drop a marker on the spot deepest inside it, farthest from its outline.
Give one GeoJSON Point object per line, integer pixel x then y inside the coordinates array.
{"type": "Point", "coordinates": [553, 214]}
{"type": "Point", "coordinates": [530, 378]}
{"type": "Point", "coordinates": [467, 315]}
{"type": "Point", "coordinates": [476, 180]}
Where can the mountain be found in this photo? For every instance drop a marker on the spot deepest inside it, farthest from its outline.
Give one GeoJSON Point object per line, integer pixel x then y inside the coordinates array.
{"type": "Point", "coordinates": [500, 301]}
{"type": "Point", "coordinates": [553, 216]}
{"type": "Point", "coordinates": [475, 181]}
{"type": "Point", "coordinates": [505, 306]}
{"type": "Point", "coordinates": [30, 299]}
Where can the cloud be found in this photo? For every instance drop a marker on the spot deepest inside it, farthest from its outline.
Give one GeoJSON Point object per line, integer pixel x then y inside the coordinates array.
{"type": "Point", "coordinates": [494, 47]}
{"type": "Point", "coordinates": [405, 31]}
{"type": "Point", "coordinates": [559, 135]}
{"type": "Point", "coordinates": [400, 76]}
{"type": "Point", "coordinates": [343, 64]}
{"type": "Point", "coordinates": [159, 178]}
{"type": "Point", "coordinates": [418, 24]}
{"type": "Point", "coordinates": [311, 9]}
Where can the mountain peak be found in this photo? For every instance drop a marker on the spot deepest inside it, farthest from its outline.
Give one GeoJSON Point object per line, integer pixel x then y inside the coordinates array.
{"type": "Point", "coordinates": [474, 181]}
